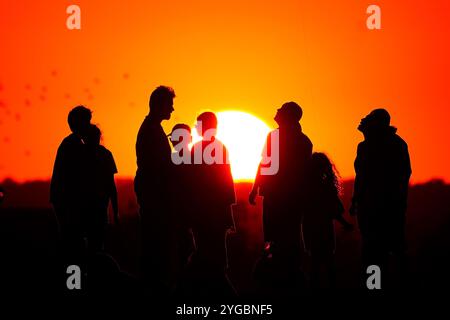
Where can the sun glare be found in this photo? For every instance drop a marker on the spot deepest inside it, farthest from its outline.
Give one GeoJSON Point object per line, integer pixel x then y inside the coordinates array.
{"type": "Point", "coordinates": [244, 136]}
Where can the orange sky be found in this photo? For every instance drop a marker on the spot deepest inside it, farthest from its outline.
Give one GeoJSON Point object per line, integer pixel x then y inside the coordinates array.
{"type": "Point", "coordinates": [242, 55]}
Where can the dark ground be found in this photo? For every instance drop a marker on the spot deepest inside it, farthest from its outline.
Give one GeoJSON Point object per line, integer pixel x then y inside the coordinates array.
{"type": "Point", "coordinates": [28, 237]}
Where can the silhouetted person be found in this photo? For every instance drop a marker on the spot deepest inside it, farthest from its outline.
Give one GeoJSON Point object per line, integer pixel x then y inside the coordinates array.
{"type": "Point", "coordinates": [284, 191]}
{"type": "Point", "coordinates": [66, 188]}
{"type": "Point", "coordinates": [152, 187]}
{"type": "Point", "coordinates": [383, 170]}
{"type": "Point", "coordinates": [100, 190]}
{"type": "Point", "coordinates": [182, 193]}
{"type": "Point", "coordinates": [324, 206]}
{"type": "Point", "coordinates": [212, 215]}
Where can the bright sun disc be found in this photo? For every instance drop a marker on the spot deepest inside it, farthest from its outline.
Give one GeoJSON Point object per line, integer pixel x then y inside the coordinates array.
{"type": "Point", "coordinates": [244, 136]}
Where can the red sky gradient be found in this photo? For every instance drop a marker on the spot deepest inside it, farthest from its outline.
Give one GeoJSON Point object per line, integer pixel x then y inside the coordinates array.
{"type": "Point", "coordinates": [224, 55]}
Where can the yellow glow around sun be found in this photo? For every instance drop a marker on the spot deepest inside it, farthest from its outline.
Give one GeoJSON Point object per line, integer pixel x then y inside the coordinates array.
{"type": "Point", "coordinates": [244, 136]}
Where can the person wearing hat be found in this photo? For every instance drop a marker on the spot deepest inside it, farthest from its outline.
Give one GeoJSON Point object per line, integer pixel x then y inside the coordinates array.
{"type": "Point", "coordinates": [380, 193]}
{"type": "Point", "coordinates": [284, 191]}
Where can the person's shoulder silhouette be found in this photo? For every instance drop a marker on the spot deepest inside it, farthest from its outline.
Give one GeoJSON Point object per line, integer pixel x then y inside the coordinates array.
{"type": "Point", "coordinates": [294, 150]}
{"type": "Point", "coordinates": [210, 153]}
{"type": "Point", "coordinates": [102, 158]}
{"type": "Point", "coordinates": [383, 153]}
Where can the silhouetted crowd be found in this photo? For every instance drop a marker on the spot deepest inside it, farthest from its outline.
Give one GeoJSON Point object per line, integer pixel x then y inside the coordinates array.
{"type": "Point", "coordinates": [186, 207]}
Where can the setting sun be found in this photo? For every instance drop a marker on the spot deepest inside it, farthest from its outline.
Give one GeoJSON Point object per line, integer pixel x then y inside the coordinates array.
{"type": "Point", "coordinates": [244, 135]}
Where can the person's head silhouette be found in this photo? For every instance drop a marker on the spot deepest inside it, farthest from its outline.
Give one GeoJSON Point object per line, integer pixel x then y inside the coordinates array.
{"type": "Point", "coordinates": [183, 136]}
{"type": "Point", "coordinates": [93, 135]}
{"type": "Point", "coordinates": [289, 113]}
{"type": "Point", "coordinates": [324, 171]}
{"type": "Point", "coordinates": [320, 163]}
{"type": "Point", "coordinates": [207, 124]}
{"type": "Point", "coordinates": [376, 120]}
{"type": "Point", "coordinates": [79, 119]}
{"type": "Point", "coordinates": [380, 118]}
{"type": "Point", "coordinates": [161, 103]}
